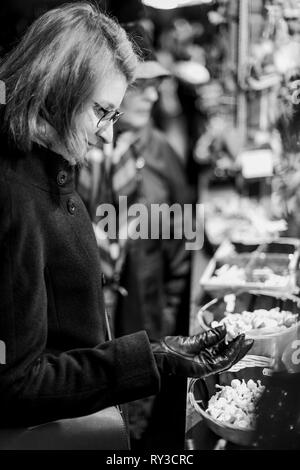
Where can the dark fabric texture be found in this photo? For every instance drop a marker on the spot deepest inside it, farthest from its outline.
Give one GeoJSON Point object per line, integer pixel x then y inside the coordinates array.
{"type": "Point", "coordinates": [278, 425]}
{"type": "Point", "coordinates": [58, 362]}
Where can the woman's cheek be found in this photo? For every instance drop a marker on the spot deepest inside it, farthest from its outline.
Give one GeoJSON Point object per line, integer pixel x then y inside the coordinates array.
{"type": "Point", "coordinates": [87, 123]}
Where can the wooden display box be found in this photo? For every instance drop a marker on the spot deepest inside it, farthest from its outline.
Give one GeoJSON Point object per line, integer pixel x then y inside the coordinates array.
{"type": "Point", "coordinates": [280, 255]}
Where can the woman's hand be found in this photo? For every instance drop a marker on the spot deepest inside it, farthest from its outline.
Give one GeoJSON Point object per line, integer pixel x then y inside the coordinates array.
{"type": "Point", "coordinates": [200, 355]}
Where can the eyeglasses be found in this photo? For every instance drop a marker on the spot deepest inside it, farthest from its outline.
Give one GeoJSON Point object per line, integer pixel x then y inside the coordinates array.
{"type": "Point", "coordinates": [106, 116]}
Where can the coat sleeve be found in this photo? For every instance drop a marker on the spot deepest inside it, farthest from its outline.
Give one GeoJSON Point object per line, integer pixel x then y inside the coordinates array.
{"type": "Point", "coordinates": [37, 386]}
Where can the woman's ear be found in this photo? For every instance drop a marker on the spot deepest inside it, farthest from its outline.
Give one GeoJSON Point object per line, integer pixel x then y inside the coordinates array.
{"type": "Point", "coordinates": [42, 134]}
{"type": "Point", "coordinates": [47, 136]}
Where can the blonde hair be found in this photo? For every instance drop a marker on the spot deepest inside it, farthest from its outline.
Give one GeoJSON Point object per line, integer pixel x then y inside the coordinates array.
{"type": "Point", "coordinates": [51, 74]}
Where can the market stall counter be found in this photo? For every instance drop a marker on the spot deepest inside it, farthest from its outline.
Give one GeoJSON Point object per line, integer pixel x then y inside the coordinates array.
{"type": "Point", "coordinates": [269, 315]}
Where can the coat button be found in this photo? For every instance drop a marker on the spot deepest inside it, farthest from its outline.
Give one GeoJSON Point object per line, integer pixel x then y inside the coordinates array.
{"type": "Point", "coordinates": [62, 177]}
{"type": "Point", "coordinates": [71, 206]}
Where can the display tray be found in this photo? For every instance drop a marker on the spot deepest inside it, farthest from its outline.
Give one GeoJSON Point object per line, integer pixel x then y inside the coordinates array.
{"type": "Point", "coordinates": [282, 245]}
{"type": "Point", "coordinates": [267, 343]}
{"type": "Point", "coordinates": [269, 266]}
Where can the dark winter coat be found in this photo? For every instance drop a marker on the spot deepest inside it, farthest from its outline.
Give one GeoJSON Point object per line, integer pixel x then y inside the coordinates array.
{"type": "Point", "coordinates": [58, 363]}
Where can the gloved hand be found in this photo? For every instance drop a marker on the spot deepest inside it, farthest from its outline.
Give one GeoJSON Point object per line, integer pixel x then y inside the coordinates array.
{"type": "Point", "coordinates": [200, 355]}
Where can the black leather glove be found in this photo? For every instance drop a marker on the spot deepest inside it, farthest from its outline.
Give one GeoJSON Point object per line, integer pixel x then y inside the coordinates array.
{"type": "Point", "coordinates": [200, 355]}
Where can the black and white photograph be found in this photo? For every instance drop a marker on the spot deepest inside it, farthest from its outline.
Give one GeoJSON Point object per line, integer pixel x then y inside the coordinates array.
{"type": "Point", "coordinates": [149, 228]}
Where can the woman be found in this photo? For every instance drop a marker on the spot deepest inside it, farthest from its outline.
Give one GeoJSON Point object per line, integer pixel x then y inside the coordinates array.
{"type": "Point", "coordinates": [64, 84]}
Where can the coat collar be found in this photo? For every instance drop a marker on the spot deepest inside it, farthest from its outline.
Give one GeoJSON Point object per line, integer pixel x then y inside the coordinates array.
{"type": "Point", "coordinates": [50, 170]}
{"type": "Point", "coordinates": [41, 168]}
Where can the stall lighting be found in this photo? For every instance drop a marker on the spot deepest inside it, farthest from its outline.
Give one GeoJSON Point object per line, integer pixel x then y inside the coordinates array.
{"type": "Point", "coordinates": [171, 4]}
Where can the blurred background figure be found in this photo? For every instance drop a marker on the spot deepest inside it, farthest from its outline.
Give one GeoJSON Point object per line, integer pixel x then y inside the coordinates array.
{"type": "Point", "coordinates": [147, 280]}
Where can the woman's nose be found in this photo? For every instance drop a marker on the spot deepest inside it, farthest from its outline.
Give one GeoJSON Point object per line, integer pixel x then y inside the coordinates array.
{"type": "Point", "coordinates": [151, 94]}
{"type": "Point", "coordinates": [107, 133]}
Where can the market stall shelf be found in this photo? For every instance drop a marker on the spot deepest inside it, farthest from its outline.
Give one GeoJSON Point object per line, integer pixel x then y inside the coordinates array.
{"type": "Point", "coordinates": [266, 266]}
{"type": "Point", "coordinates": [202, 433]}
